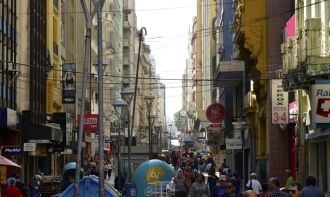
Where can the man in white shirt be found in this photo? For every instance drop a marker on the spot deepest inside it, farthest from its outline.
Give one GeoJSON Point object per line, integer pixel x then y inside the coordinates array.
{"type": "Point", "coordinates": [254, 184]}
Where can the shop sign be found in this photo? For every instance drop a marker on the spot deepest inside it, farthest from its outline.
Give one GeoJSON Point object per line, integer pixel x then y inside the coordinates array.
{"type": "Point", "coordinates": [188, 144]}
{"type": "Point", "coordinates": [8, 117]}
{"type": "Point", "coordinates": [11, 149]}
{"type": "Point", "coordinates": [215, 113]}
{"type": "Point", "coordinates": [209, 142]}
{"type": "Point", "coordinates": [233, 144]}
{"type": "Point", "coordinates": [279, 103]}
{"type": "Point", "coordinates": [293, 111]}
{"type": "Point", "coordinates": [91, 122]}
{"type": "Point", "coordinates": [30, 147]}
{"type": "Point", "coordinates": [320, 99]}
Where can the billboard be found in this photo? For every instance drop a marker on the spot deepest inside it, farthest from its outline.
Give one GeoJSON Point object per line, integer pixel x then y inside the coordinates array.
{"type": "Point", "coordinates": [280, 106]}
{"type": "Point", "coordinates": [320, 100]}
{"type": "Point", "coordinates": [68, 83]}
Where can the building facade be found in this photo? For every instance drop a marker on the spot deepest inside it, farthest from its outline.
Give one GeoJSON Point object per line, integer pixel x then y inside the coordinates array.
{"type": "Point", "coordinates": [305, 57]}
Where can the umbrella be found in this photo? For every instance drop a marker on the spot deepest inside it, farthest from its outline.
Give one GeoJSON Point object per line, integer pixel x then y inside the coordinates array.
{"type": "Point", "coordinates": [202, 151]}
{"type": "Point", "coordinates": [6, 162]}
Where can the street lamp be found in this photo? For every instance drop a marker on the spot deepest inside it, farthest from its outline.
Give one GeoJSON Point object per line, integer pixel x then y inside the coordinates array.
{"type": "Point", "coordinates": [119, 104]}
{"type": "Point", "coordinates": [158, 132]}
{"type": "Point", "coordinates": [127, 95]}
{"type": "Point", "coordinates": [149, 99]}
{"type": "Point", "coordinates": [170, 126]}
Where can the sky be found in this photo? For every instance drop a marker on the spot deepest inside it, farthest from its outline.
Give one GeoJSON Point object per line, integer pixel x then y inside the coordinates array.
{"type": "Point", "coordinates": [167, 23]}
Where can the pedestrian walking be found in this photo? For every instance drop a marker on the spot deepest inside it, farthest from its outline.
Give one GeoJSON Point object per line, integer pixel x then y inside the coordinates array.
{"type": "Point", "coordinates": [254, 184]}
{"type": "Point", "coordinates": [237, 183]}
{"type": "Point", "coordinates": [179, 182]}
{"type": "Point", "coordinates": [274, 187]}
{"type": "Point", "coordinates": [289, 178]}
{"type": "Point", "coordinates": [230, 192]}
{"type": "Point", "coordinates": [220, 189]}
{"type": "Point", "coordinates": [12, 190]}
{"type": "Point", "coordinates": [310, 189]}
{"type": "Point", "coordinates": [294, 189]}
{"type": "Point", "coordinates": [106, 169]}
{"type": "Point", "coordinates": [249, 193]}
{"type": "Point", "coordinates": [110, 169]}
{"type": "Point", "coordinates": [199, 188]}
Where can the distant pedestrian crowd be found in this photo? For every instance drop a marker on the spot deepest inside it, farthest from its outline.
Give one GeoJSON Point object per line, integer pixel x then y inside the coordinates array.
{"type": "Point", "coordinates": [197, 177]}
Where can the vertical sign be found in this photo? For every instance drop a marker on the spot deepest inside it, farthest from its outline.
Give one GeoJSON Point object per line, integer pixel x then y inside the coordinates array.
{"type": "Point", "coordinates": [279, 103]}
{"type": "Point", "coordinates": [320, 96]}
{"type": "Point", "coordinates": [68, 83]}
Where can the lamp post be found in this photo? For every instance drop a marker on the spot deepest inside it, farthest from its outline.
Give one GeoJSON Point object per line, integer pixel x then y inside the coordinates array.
{"type": "Point", "coordinates": [170, 126]}
{"type": "Point", "coordinates": [127, 95]}
{"type": "Point", "coordinates": [119, 104]}
{"type": "Point", "coordinates": [149, 99]}
{"type": "Point", "coordinates": [158, 131]}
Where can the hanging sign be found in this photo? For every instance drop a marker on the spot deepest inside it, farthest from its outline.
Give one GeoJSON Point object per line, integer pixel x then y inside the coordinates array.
{"type": "Point", "coordinates": [69, 83]}
{"type": "Point", "coordinates": [320, 99]}
{"type": "Point", "coordinates": [215, 113]}
{"type": "Point", "coordinates": [91, 122]}
{"type": "Point", "coordinates": [280, 107]}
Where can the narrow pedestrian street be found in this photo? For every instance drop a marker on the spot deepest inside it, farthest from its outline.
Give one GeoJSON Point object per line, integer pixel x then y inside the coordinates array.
{"type": "Point", "coordinates": [160, 98]}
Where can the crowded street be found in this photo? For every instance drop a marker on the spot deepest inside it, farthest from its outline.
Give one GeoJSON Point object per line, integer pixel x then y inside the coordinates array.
{"type": "Point", "coordinates": [164, 98]}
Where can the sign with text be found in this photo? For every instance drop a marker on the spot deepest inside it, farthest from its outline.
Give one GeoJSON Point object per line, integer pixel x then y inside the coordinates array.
{"type": "Point", "coordinates": [30, 147]}
{"type": "Point", "coordinates": [233, 144]}
{"type": "Point", "coordinates": [91, 122]}
{"type": "Point", "coordinates": [215, 113]}
{"type": "Point", "coordinates": [320, 100]}
{"type": "Point", "coordinates": [11, 149]}
{"type": "Point", "coordinates": [280, 104]}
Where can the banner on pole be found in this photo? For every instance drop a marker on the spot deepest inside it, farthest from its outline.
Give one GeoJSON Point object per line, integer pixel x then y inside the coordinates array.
{"type": "Point", "coordinates": [68, 83]}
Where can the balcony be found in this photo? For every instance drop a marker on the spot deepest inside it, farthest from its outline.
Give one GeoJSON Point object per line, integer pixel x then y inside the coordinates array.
{"type": "Point", "coordinates": [126, 25]}
{"type": "Point", "coordinates": [126, 61]}
{"type": "Point", "coordinates": [126, 79]}
{"type": "Point", "coordinates": [126, 43]}
{"type": "Point", "coordinates": [126, 7]}
{"type": "Point", "coordinates": [229, 73]}
{"type": "Point", "coordinates": [305, 57]}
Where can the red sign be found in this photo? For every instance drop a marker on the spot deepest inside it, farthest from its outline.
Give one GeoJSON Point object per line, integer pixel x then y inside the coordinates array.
{"type": "Point", "coordinates": [91, 122]}
{"type": "Point", "coordinates": [215, 113]}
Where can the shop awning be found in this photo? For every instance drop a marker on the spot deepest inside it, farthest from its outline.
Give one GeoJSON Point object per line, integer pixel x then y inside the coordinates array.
{"type": "Point", "coordinates": [317, 135]}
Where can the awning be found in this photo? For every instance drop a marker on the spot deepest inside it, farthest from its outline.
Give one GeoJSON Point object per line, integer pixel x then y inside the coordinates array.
{"type": "Point", "coordinates": [317, 135]}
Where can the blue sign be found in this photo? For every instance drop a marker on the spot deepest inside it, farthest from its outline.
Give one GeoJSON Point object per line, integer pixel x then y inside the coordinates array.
{"type": "Point", "coordinates": [12, 149]}
{"type": "Point", "coordinates": [188, 144]}
{"type": "Point", "coordinates": [109, 141]}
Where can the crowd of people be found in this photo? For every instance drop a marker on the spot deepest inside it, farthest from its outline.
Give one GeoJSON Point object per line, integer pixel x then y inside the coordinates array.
{"type": "Point", "coordinates": [16, 188]}
{"type": "Point", "coordinates": [198, 176]}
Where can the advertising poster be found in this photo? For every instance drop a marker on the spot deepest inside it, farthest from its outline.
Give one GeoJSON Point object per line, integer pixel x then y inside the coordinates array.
{"type": "Point", "coordinates": [69, 83]}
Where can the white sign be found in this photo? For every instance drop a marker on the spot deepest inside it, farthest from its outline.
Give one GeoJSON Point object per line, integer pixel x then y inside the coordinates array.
{"type": "Point", "coordinates": [30, 147]}
{"type": "Point", "coordinates": [280, 104]}
{"type": "Point", "coordinates": [233, 144]}
{"type": "Point", "coordinates": [320, 99]}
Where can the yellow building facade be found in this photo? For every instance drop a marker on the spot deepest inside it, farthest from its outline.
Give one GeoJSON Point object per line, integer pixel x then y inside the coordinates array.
{"type": "Point", "coordinates": [53, 31]}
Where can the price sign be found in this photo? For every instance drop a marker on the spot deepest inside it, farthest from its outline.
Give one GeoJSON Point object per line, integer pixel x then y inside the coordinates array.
{"type": "Point", "coordinates": [280, 104]}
